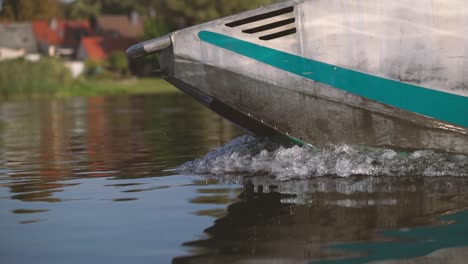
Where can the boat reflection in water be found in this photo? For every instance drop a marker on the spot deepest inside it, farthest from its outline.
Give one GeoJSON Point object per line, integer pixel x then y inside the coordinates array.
{"type": "Point", "coordinates": [340, 220]}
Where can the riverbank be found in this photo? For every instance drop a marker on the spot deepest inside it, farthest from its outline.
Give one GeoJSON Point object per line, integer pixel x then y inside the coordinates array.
{"type": "Point", "coordinates": [21, 79]}
{"type": "Point", "coordinates": [86, 87]}
{"type": "Point", "coordinates": [92, 87]}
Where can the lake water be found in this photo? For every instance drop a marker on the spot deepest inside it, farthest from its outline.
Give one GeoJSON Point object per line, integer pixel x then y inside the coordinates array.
{"type": "Point", "coordinates": [161, 179]}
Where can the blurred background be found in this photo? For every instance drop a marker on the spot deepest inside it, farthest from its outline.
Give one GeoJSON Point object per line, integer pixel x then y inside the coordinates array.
{"type": "Point", "coordinates": [77, 47]}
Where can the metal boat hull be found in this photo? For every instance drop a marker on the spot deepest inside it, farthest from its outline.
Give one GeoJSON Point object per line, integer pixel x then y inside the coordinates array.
{"type": "Point", "coordinates": [356, 74]}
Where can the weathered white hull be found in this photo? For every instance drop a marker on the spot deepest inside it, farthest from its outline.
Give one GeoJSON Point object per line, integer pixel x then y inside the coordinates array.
{"type": "Point", "coordinates": [365, 72]}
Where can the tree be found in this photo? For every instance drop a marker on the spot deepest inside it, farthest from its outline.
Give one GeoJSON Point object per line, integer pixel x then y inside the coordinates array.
{"type": "Point", "coordinates": [26, 10]}
{"type": "Point", "coordinates": [175, 14]}
{"type": "Point", "coordinates": [162, 16]}
{"type": "Point", "coordinates": [82, 9]}
{"type": "Point", "coordinates": [48, 9]}
{"type": "Point", "coordinates": [197, 11]}
{"type": "Point", "coordinates": [118, 62]}
{"type": "Point", "coordinates": [8, 11]}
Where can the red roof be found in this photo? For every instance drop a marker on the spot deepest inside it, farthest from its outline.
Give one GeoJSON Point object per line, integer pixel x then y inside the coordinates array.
{"type": "Point", "coordinates": [99, 48]}
{"type": "Point", "coordinates": [66, 33]}
{"type": "Point", "coordinates": [94, 47]}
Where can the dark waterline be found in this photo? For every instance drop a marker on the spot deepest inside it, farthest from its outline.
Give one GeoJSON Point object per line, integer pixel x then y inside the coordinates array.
{"type": "Point", "coordinates": [95, 180]}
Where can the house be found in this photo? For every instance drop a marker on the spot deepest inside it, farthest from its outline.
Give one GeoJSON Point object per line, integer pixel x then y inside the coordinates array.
{"type": "Point", "coordinates": [16, 40]}
{"type": "Point", "coordinates": [111, 33]}
{"type": "Point", "coordinates": [119, 26]}
{"type": "Point", "coordinates": [99, 48]}
{"type": "Point", "coordinates": [60, 37]}
{"type": "Point", "coordinates": [18, 36]}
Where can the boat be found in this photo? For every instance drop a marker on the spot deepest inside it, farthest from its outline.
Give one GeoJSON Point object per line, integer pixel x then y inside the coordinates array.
{"type": "Point", "coordinates": [370, 72]}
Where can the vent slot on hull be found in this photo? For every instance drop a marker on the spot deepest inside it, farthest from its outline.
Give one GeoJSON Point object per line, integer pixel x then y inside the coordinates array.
{"type": "Point", "coordinates": [279, 34]}
{"type": "Point", "coordinates": [260, 17]}
{"type": "Point", "coordinates": [268, 26]}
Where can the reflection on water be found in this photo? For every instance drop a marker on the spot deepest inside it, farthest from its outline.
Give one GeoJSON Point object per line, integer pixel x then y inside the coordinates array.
{"type": "Point", "coordinates": [90, 180]}
{"type": "Point", "coordinates": [99, 180]}
{"type": "Point", "coordinates": [121, 137]}
{"type": "Point", "coordinates": [412, 242]}
{"type": "Point", "coordinates": [304, 226]}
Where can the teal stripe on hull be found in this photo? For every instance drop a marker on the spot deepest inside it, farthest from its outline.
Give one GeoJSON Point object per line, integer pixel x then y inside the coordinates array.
{"type": "Point", "coordinates": [443, 106]}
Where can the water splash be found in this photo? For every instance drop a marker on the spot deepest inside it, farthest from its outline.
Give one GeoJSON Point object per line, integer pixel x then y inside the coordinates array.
{"type": "Point", "coordinates": [248, 155]}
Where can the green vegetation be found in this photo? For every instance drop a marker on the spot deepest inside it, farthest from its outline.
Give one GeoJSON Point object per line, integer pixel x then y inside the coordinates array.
{"type": "Point", "coordinates": [185, 13]}
{"type": "Point", "coordinates": [48, 77]}
{"type": "Point", "coordinates": [118, 63]}
{"type": "Point", "coordinates": [165, 14]}
{"type": "Point", "coordinates": [21, 77]}
{"type": "Point", "coordinates": [169, 13]}
{"type": "Point", "coordinates": [26, 10]}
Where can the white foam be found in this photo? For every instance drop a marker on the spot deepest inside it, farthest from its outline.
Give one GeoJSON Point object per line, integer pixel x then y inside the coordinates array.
{"type": "Point", "coordinates": [247, 155]}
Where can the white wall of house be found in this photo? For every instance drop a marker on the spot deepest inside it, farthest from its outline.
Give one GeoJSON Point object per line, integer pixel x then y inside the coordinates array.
{"type": "Point", "coordinates": [75, 67]}
{"type": "Point", "coordinates": [32, 57]}
{"type": "Point", "coordinates": [6, 53]}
